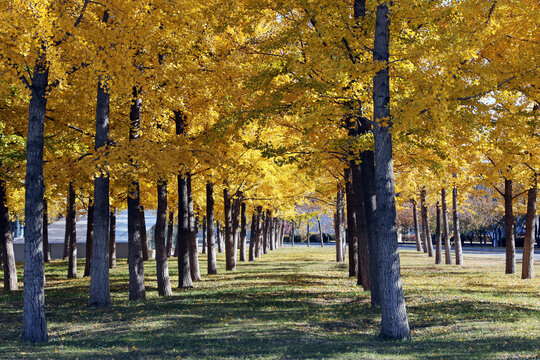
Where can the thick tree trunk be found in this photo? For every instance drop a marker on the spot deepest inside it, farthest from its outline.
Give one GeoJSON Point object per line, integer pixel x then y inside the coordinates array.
{"type": "Point", "coordinates": [419, 246]}
{"type": "Point", "coordinates": [509, 228]}
{"type": "Point", "coordinates": [34, 324]}
{"type": "Point", "coordinates": [527, 270]}
{"type": "Point", "coordinates": [72, 249]}
{"type": "Point", "coordinates": [243, 231]}
{"type": "Point", "coordinates": [6, 243]}
{"type": "Point", "coordinates": [204, 238]}
{"type": "Point", "coordinates": [338, 225]}
{"type": "Point", "coordinates": [89, 239]}
{"type": "Point", "coordinates": [351, 225]}
{"type": "Point", "coordinates": [253, 237]}
{"type": "Point", "coordinates": [394, 322]}
{"type": "Point", "coordinates": [112, 239]}
{"type": "Point", "coordinates": [212, 266]}
{"type": "Point", "coordinates": [184, 268]}
{"type": "Point", "coordinates": [170, 229]}
{"type": "Point", "coordinates": [99, 272]}
{"type": "Point", "coordinates": [193, 232]}
{"type": "Point", "coordinates": [446, 231]}
{"type": "Point", "coordinates": [438, 243]}
{"type": "Point", "coordinates": [162, 266]}
{"type": "Point", "coordinates": [428, 244]}
{"type": "Point", "coordinates": [144, 238]}
{"type": "Point", "coordinates": [457, 235]}
{"type": "Point", "coordinates": [362, 237]}
{"type": "Point", "coordinates": [46, 246]}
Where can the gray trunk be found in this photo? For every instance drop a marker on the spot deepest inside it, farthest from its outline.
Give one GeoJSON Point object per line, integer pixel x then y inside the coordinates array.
{"type": "Point", "coordinates": [193, 232]}
{"type": "Point", "coordinates": [351, 225]}
{"type": "Point", "coordinates": [259, 235]}
{"type": "Point", "coordinates": [170, 229]}
{"type": "Point", "coordinates": [204, 241]}
{"type": "Point", "coordinates": [527, 270]}
{"type": "Point", "coordinates": [162, 266]}
{"type": "Point", "coordinates": [361, 227]}
{"type": "Point", "coordinates": [212, 266]}
{"type": "Point", "coordinates": [89, 240]}
{"type": "Point", "coordinates": [184, 270]}
{"type": "Point", "coordinates": [253, 237]}
{"type": "Point", "coordinates": [243, 232]}
{"type": "Point", "coordinates": [293, 230]}
{"type": "Point", "coordinates": [419, 246]}
{"type": "Point", "coordinates": [428, 245]}
{"type": "Point", "coordinates": [509, 228]}
{"type": "Point", "coordinates": [112, 238]}
{"type": "Point", "coordinates": [6, 243]}
{"type": "Point", "coordinates": [338, 225]}
{"type": "Point", "coordinates": [394, 322]}
{"type": "Point", "coordinates": [446, 231]}
{"type": "Point", "coordinates": [320, 232]}
{"type": "Point", "coordinates": [438, 239]}
{"type": "Point", "coordinates": [144, 239]}
{"type": "Point", "coordinates": [34, 324]}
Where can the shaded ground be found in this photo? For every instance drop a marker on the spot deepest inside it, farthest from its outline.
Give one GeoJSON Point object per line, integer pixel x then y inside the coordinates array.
{"type": "Point", "coordinates": [295, 303]}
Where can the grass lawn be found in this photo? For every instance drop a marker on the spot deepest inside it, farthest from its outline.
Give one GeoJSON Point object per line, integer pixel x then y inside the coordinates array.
{"type": "Point", "coordinates": [294, 303]}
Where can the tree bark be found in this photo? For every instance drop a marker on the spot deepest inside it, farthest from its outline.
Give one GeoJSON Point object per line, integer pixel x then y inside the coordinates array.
{"type": "Point", "coordinates": [428, 245]}
{"type": "Point", "coordinates": [184, 268]}
{"type": "Point", "coordinates": [67, 231]}
{"type": "Point", "coordinates": [204, 238]}
{"type": "Point", "coordinates": [212, 266]}
{"type": "Point", "coordinates": [457, 235]}
{"type": "Point", "coordinates": [394, 322]}
{"type": "Point", "coordinates": [89, 239]}
{"type": "Point", "coordinates": [162, 266]}
{"type": "Point", "coordinates": [193, 232]}
{"type": "Point", "coordinates": [527, 270]}
{"type": "Point", "coordinates": [34, 324]}
{"type": "Point", "coordinates": [447, 248]}
{"type": "Point", "coordinates": [259, 237]}
{"type": "Point", "coordinates": [144, 238]}
{"type": "Point", "coordinates": [219, 237]}
{"type": "Point", "coordinates": [46, 246]}
{"type": "Point", "coordinates": [351, 225]}
{"type": "Point", "coordinates": [6, 243]}
{"type": "Point", "coordinates": [438, 243]}
{"type": "Point", "coordinates": [509, 228]}
{"type": "Point", "coordinates": [338, 226]}
{"type": "Point", "coordinates": [307, 235]}
{"type": "Point", "coordinates": [112, 238]}
{"type": "Point", "coordinates": [243, 231]}
{"type": "Point", "coordinates": [266, 234]}
{"type": "Point", "coordinates": [253, 237]}
{"type": "Point", "coordinates": [99, 271]}
{"type": "Point", "coordinates": [72, 252]}
{"type": "Point", "coordinates": [170, 229]}
{"type": "Point", "coordinates": [320, 232]}
{"type": "Point", "coordinates": [419, 246]}
{"type": "Point", "coordinates": [293, 229]}
{"type": "Point", "coordinates": [362, 236]}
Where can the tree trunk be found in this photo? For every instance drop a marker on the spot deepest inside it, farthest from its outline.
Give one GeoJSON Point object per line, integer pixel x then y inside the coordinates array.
{"type": "Point", "coordinates": [219, 237]}
{"type": "Point", "coordinates": [99, 272]}
{"type": "Point", "coordinates": [6, 243]}
{"type": "Point", "coordinates": [170, 229]}
{"type": "Point", "coordinates": [361, 227]}
{"type": "Point", "coordinates": [428, 244]}
{"type": "Point", "coordinates": [307, 235]}
{"type": "Point", "coordinates": [67, 231]}
{"type": "Point", "coordinates": [293, 229]}
{"type": "Point", "coordinates": [184, 268]}
{"type": "Point", "coordinates": [259, 235]}
{"type": "Point", "coordinates": [34, 324]}
{"type": "Point", "coordinates": [281, 232]}
{"type": "Point", "coordinates": [509, 228]}
{"type": "Point", "coordinates": [338, 225]}
{"type": "Point", "coordinates": [253, 237]}
{"type": "Point", "coordinates": [204, 241]}
{"type": "Point", "coordinates": [419, 246]}
{"type": "Point", "coordinates": [320, 232]}
{"type": "Point", "coordinates": [447, 248]}
{"type": "Point", "coordinates": [193, 232]}
{"type": "Point", "coordinates": [46, 246]}
{"type": "Point", "coordinates": [112, 238]}
{"type": "Point", "coordinates": [266, 233]}
{"type": "Point", "coordinates": [438, 243]}
{"type": "Point", "coordinates": [351, 225]}
{"type": "Point", "coordinates": [89, 239]}
{"type": "Point", "coordinates": [72, 252]}
{"type": "Point", "coordinates": [457, 235]}
{"type": "Point", "coordinates": [144, 238]}
{"type": "Point", "coordinates": [230, 251]}
{"type": "Point", "coordinates": [162, 266]}
{"type": "Point", "coordinates": [243, 232]}
{"type": "Point", "coordinates": [212, 266]}
{"type": "Point", "coordinates": [527, 270]}
{"type": "Point", "coordinates": [394, 322]}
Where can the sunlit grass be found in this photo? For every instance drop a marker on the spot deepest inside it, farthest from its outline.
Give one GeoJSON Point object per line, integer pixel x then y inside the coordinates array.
{"type": "Point", "coordinates": [293, 303]}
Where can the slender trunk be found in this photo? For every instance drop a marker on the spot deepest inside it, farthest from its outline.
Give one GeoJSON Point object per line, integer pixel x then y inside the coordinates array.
{"type": "Point", "coordinates": [235, 212]}
{"type": "Point", "coordinates": [170, 229]}
{"type": "Point", "coordinates": [527, 270]}
{"type": "Point", "coordinates": [351, 224]}
{"type": "Point", "coordinates": [243, 232]}
{"type": "Point", "coordinates": [320, 232]}
{"type": "Point", "coordinates": [266, 233]}
{"type": "Point", "coordinates": [34, 324]}
{"type": "Point", "coordinates": [144, 238]}
{"type": "Point", "coordinates": [447, 248]}
{"type": "Point", "coordinates": [99, 272]}
{"type": "Point", "coordinates": [293, 229]}
{"type": "Point", "coordinates": [112, 238]}
{"type": "Point", "coordinates": [6, 243]}
{"type": "Point", "coordinates": [89, 239]}
{"type": "Point", "coordinates": [72, 252]}
{"type": "Point", "coordinates": [253, 237]}
{"type": "Point", "coordinates": [162, 266]}
{"type": "Point", "coordinates": [272, 233]}
{"type": "Point", "coordinates": [281, 233]}
{"type": "Point", "coordinates": [338, 225]}
{"type": "Point", "coordinates": [419, 246]}
{"type": "Point", "coordinates": [184, 268]}
{"type": "Point", "coordinates": [219, 237]}
{"type": "Point", "coordinates": [428, 244]}
{"type": "Point", "coordinates": [193, 232]}
{"type": "Point", "coordinates": [438, 249]}
{"type": "Point", "coordinates": [46, 246]}
{"type": "Point", "coordinates": [212, 266]}
{"type": "Point", "coordinates": [307, 235]}
{"type": "Point", "coordinates": [67, 231]}
{"type": "Point", "coordinates": [457, 235]}
{"type": "Point", "coordinates": [204, 241]}
{"type": "Point", "coordinates": [394, 322]}
{"type": "Point", "coordinates": [230, 251]}
{"type": "Point", "coordinates": [259, 236]}
{"type": "Point", "coordinates": [509, 228]}
{"type": "Point", "coordinates": [361, 227]}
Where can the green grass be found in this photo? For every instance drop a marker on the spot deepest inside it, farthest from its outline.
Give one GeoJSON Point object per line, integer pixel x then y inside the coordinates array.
{"type": "Point", "coordinates": [294, 303]}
